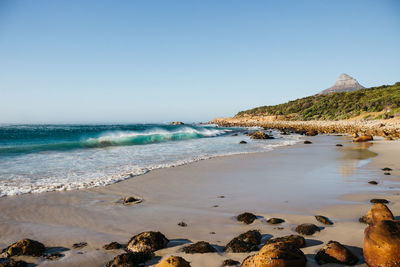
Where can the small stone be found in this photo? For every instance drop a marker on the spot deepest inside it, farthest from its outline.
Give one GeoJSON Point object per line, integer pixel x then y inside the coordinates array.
{"type": "Point", "coordinates": [131, 200]}
{"type": "Point", "coordinates": [363, 138]}
{"type": "Point", "coordinates": [26, 247]}
{"type": "Point", "coordinates": [242, 142]}
{"type": "Point", "coordinates": [246, 217]}
{"type": "Point", "coordinates": [112, 245]}
{"type": "Point", "coordinates": [182, 224]}
{"type": "Point", "coordinates": [379, 200]}
{"type": "Point", "coordinates": [387, 173]}
{"type": "Point", "coordinates": [129, 260]}
{"type": "Point", "coordinates": [373, 182]}
{"type": "Point", "coordinates": [147, 242]}
{"type": "Point", "coordinates": [323, 219]}
{"type": "Point", "coordinates": [173, 261]}
{"type": "Point", "coordinates": [307, 229]}
{"type": "Point", "coordinates": [199, 247]}
{"type": "Point", "coordinates": [339, 145]}
{"type": "Point", "coordinates": [334, 252]}
{"type": "Point", "coordinates": [54, 256]}
{"type": "Point", "coordinates": [275, 221]}
{"type": "Point", "coordinates": [294, 240]}
{"type": "Point", "coordinates": [386, 169]}
{"type": "Point", "coordinates": [221, 196]}
{"type": "Point", "coordinates": [215, 206]}
{"type": "Point", "coordinates": [212, 233]}
{"type": "Point", "coordinates": [79, 245]}
{"type": "Point", "coordinates": [230, 262]}
{"type": "Point", "coordinates": [307, 142]}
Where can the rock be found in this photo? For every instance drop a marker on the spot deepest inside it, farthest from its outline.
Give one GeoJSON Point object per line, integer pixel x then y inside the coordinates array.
{"type": "Point", "coordinates": [221, 196]}
{"type": "Point", "coordinates": [363, 138]}
{"type": "Point", "coordinates": [307, 142]}
{"type": "Point", "coordinates": [147, 242]}
{"type": "Point", "coordinates": [112, 245]}
{"type": "Point", "coordinates": [132, 200]}
{"type": "Point", "coordinates": [275, 221]}
{"type": "Point", "coordinates": [260, 135]}
{"type": "Point", "coordinates": [373, 182]}
{"type": "Point", "coordinates": [230, 262]}
{"type": "Point", "coordinates": [355, 135]}
{"type": "Point", "coordinates": [382, 244]}
{"type": "Point", "coordinates": [177, 123]}
{"type": "Point", "coordinates": [129, 260]}
{"type": "Point", "coordinates": [276, 255]}
{"type": "Point", "coordinates": [339, 145]}
{"type": "Point", "coordinates": [245, 242]}
{"type": "Point", "coordinates": [334, 252]}
{"type": "Point", "coordinates": [26, 247]}
{"type": "Point", "coordinates": [246, 217]}
{"type": "Point", "coordinates": [173, 261]}
{"type": "Point", "coordinates": [54, 256]}
{"type": "Point", "coordinates": [307, 229]}
{"type": "Point", "coordinates": [182, 224]}
{"type": "Point", "coordinates": [79, 245]}
{"type": "Point", "coordinates": [378, 212]}
{"type": "Point", "coordinates": [379, 200]}
{"type": "Point", "coordinates": [345, 83]}
{"type": "Point", "coordinates": [293, 240]}
{"type": "Point", "coordinates": [386, 169]}
{"type": "Point", "coordinates": [323, 219]}
{"type": "Point", "coordinates": [199, 247]}
{"type": "Point", "coordinates": [311, 133]}
{"type": "Point", "coordinates": [388, 138]}
{"type": "Point", "coordinates": [242, 142]}
{"type": "Point", "coordinates": [13, 263]}
{"type": "Point", "coordinates": [235, 134]}
{"type": "Point", "coordinates": [387, 173]}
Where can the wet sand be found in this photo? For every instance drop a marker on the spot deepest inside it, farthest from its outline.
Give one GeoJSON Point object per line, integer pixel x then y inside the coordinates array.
{"type": "Point", "coordinates": [294, 183]}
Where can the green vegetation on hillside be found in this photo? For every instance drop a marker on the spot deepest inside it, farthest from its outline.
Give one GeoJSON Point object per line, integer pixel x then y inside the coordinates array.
{"type": "Point", "coordinates": [336, 106]}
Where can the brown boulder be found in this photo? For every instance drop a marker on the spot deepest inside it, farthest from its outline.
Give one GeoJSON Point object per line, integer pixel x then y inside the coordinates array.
{"type": "Point", "coordinates": [275, 221]}
{"type": "Point", "coordinates": [294, 240]}
{"type": "Point", "coordinates": [13, 263]}
{"type": "Point", "coordinates": [311, 133]}
{"type": "Point", "coordinates": [246, 217]}
{"type": "Point", "coordinates": [147, 242]}
{"type": "Point", "coordinates": [173, 261]}
{"type": "Point", "coordinates": [378, 212]}
{"type": "Point", "coordinates": [199, 247]}
{"type": "Point", "coordinates": [382, 244]}
{"type": "Point", "coordinates": [246, 242]}
{"type": "Point", "coordinates": [26, 247]}
{"type": "Point", "coordinates": [129, 260]}
{"type": "Point", "coordinates": [363, 138]}
{"type": "Point", "coordinates": [307, 229]}
{"type": "Point", "coordinates": [276, 255]}
{"type": "Point", "coordinates": [112, 245]}
{"type": "Point", "coordinates": [334, 252]}
{"type": "Point", "coordinates": [230, 262]}
{"type": "Point", "coordinates": [323, 219]}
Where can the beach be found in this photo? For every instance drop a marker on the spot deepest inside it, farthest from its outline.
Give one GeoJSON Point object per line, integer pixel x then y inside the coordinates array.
{"type": "Point", "coordinates": [292, 182]}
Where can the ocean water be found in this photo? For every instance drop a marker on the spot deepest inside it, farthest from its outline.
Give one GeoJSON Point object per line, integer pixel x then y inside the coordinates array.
{"type": "Point", "coordinates": [39, 158]}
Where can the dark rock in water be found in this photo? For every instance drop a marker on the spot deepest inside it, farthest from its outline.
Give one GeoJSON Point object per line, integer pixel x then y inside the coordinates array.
{"type": "Point", "coordinates": [112, 245]}
{"type": "Point", "coordinates": [307, 229]}
{"type": "Point", "coordinates": [323, 219]}
{"type": "Point", "coordinates": [132, 200]}
{"type": "Point", "coordinates": [13, 263]}
{"type": "Point", "coordinates": [334, 252]}
{"type": "Point", "coordinates": [147, 242]}
{"type": "Point", "coordinates": [311, 133]}
{"type": "Point", "coordinates": [260, 135]}
{"type": "Point", "coordinates": [339, 145]}
{"type": "Point", "coordinates": [245, 242]}
{"type": "Point", "coordinates": [177, 123]}
{"type": "Point", "coordinates": [386, 169]}
{"type": "Point", "coordinates": [173, 261]}
{"type": "Point", "coordinates": [379, 200]}
{"type": "Point", "coordinates": [54, 256]}
{"type": "Point", "coordinates": [199, 247]}
{"type": "Point", "coordinates": [230, 262]}
{"type": "Point", "coordinates": [26, 247]}
{"type": "Point", "coordinates": [387, 173]}
{"type": "Point", "coordinates": [307, 142]}
{"type": "Point", "coordinates": [246, 217]}
{"type": "Point", "coordinates": [275, 221]}
{"type": "Point", "coordinates": [182, 224]}
{"type": "Point", "coordinates": [294, 240]}
{"type": "Point", "coordinates": [242, 142]}
{"type": "Point", "coordinates": [129, 260]}
{"type": "Point", "coordinates": [373, 182]}
{"type": "Point", "coordinates": [234, 134]}
{"type": "Point", "coordinates": [276, 255]}
{"type": "Point", "coordinates": [79, 245]}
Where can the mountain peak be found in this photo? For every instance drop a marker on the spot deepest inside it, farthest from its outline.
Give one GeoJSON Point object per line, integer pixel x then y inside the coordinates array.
{"type": "Point", "coordinates": [345, 83]}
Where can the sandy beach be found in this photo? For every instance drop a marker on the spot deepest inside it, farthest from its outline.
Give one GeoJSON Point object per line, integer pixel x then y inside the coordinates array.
{"type": "Point", "coordinates": [293, 183]}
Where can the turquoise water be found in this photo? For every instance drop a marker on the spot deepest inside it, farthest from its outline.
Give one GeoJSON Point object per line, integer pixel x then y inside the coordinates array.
{"type": "Point", "coordinates": [38, 158]}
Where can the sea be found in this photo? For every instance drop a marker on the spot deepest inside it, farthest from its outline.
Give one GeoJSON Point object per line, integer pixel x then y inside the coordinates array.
{"type": "Point", "coordinates": [40, 158]}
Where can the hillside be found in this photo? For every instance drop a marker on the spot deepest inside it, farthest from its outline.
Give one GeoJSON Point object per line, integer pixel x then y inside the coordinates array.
{"type": "Point", "coordinates": [375, 103]}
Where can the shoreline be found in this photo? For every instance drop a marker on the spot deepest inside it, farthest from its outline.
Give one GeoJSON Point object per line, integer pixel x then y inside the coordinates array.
{"type": "Point", "coordinates": [285, 182]}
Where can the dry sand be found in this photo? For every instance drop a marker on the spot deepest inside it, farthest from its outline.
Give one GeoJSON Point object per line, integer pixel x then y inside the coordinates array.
{"type": "Point", "coordinates": [294, 183]}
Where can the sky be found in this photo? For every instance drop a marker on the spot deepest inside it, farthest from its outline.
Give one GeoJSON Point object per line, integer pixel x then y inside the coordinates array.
{"type": "Point", "coordinates": [158, 61]}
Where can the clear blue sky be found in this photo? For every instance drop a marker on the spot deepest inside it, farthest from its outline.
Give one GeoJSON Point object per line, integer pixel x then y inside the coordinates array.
{"type": "Point", "coordinates": [157, 61]}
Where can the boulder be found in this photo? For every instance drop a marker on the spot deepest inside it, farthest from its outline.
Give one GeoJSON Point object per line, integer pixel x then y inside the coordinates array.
{"type": "Point", "coordinates": [13, 263]}
{"type": "Point", "coordinates": [334, 252]}
{"type": "Point", "coordinates": [230, 262]}
{"type": "Point", "coordinates": [339, 145]}
{"type": "Point", "coordinates": [182, 224]}
{"type": "Point", "coordinates": [79, 245]}
{"type": "Point", "coordinates": [26, 247]}
{"type": "Point", "coordinates": [275, 221]}
{"type": "Point", "coordinates": [242, 142]}
{"type": "Point", "coordinates": [177, 123]}
{"type": "Point", "coordinates": [147, 242]}
{"type": "Point", "coordinates": [363, 138]}
{"type": "Point", "coordinates": [307, 142]}
{"type": "Point", "coordinates": [294, 240]}
{"type": "Point", "coordinates": [132, 200]}
{"type": "Point", "coordinates": [173, 261]}
{"type": "Point", "coordinates": [246, 242]}
{"type": "Point", "coordinates": [199, 247]}
{"type": "Point", "coordinates": [311, 133]}
{"type": "Point", "coordinates": [373, 182]}
{"type": "Point", "coordinates": [379, 200]}
{"type": "Point", "coordinates": [323, 219]}
{"type": "Point", "coordinates": [387, 173]}
{"type": "Point", "coordinates": [246, 217]}
{"type": "Point", "coordinates": [112, 245]}
{"type": "Point", "coordinates": [378, 212]}
{"type": "Point", "coordinates": [129, 260]}
{"type": "Point", "coordinates": [382, 244]}
{"type": "Point", "coordinates": [307, 229]}
{"type": "Point", "coordinates": [260, 135]}
{"type": "Point", "coordinates": [276, 255]}
{"type": "Point", "coordinates": [386, 169]}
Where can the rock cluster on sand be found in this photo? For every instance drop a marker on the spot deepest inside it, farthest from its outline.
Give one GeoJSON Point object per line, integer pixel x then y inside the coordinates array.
{"type": "Point", "coordinates": [246, 217]}
{"type": "Point", "coordinates": [334, 252]}
{"type": "Point", "coordinates": [245, 242]}
{"type": "Point", "coordinates": [129, 260]}
{"type": "Point", "coordinates": [147, 242]}
{"type": "Point", "coordinates": [260, 135]}
{"type": "Point", "coordinates": [199, 247]}
{"type": "Point", "coordinates": [276, 255]}
{"type": "Point", "coordinates": [293, 240]}
{"type": "Point", "coordinates": [26, 247]}
{"type": "Point", "coordinates": [307, 229]}
{"type": "Point", "coordinates": [173, 261]}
